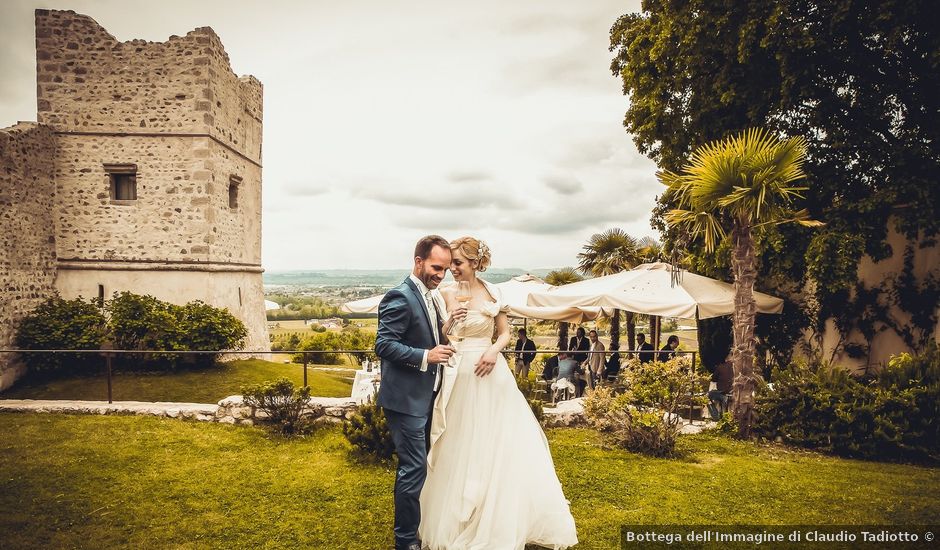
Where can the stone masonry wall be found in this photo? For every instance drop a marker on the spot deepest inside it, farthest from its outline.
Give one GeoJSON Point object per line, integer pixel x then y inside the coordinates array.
{"type": "Point", "coordinates": [27, 246]}
{"type": "Point", "coordinates": [88, 81]}
{"type": "Point", "coordinates": [176, 110]}
{"type": "Point", "coordinates": [178, 113]}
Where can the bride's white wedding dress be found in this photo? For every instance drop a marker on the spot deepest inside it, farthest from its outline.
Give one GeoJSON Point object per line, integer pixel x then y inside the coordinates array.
{"type": "Point", "coordinates": [491, 482]}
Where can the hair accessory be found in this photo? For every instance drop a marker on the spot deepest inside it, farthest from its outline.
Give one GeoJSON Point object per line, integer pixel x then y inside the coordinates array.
{"type": "Point", "coordinates": [482, 249]}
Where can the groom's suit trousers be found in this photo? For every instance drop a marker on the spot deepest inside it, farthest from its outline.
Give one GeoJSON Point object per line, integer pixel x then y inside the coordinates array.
{"type": "Point", "coordinates": [411, 435]}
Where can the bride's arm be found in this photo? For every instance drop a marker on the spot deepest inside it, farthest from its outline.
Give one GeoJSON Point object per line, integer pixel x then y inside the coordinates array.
{"type": "Point", "coordinates": [488, 360]}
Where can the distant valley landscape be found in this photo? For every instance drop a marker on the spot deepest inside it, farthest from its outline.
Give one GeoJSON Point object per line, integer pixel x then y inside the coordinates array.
{"type": "Point", "coordinates": [370, 277]}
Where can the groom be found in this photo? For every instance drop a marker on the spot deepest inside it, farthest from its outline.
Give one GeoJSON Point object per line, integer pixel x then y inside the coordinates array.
{"type": "Point", "coordinates": [410, 343]}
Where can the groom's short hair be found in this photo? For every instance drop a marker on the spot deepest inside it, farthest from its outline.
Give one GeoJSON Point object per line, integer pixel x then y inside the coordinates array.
{"type": "Point", "coordinates": [424, 246]}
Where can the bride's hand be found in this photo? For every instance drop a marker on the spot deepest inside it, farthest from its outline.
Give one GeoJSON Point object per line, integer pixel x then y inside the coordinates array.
{"type": "Point", "coordinates": [455, 317]}
{"type": "Point", "coordinates": [486, 363]}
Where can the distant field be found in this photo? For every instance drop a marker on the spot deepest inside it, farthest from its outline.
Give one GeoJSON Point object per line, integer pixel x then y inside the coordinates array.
{"type": "Point", "coordinates": [277, 328]}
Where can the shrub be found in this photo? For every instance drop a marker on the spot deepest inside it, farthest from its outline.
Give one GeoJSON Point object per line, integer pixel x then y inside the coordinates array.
{"type": "Point", "coordinates": [527, 388]}
{"type": "Point", "coordinates": [538, 409]}
{"type": "Point", "coordinates": [142, 322]}
{"type": "Point", "coordinates": [62, 324]}
{"type": "Point", "coordinates": [892, 416]}
{"type": "Point", "coordinates": [350, 337]}
{"type": "Point", "coordinates": [641, 411]}
{"type": "Point", "coordinates": [282, 404]}
{"type": "Point", "coordinates": [367, 431]}
{"type": "Point", "coordinates": [726, 425]}
{"type": "Point", "coordinates": [203, 327]}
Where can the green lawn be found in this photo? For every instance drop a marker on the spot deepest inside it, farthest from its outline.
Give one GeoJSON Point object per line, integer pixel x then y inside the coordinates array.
{"type": "Point", "coordinates": [199, 386]}
{"type": "Point", "coordinates": [141, 482]}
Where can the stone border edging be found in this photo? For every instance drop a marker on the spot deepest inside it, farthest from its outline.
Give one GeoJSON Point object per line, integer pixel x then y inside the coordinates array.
{"type": "Point", "coordinates": [232, 410]}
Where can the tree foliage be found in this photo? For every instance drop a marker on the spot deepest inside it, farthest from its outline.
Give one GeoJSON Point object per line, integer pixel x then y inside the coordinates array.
{"type": "Point", "coordinates": [857, 81]}
{"type": "Point", "coordinates": [131, 322]}
{"type": "Point", "coordinates": [559, 277]}
{"type": "Point", "coordinates": [62, 324]}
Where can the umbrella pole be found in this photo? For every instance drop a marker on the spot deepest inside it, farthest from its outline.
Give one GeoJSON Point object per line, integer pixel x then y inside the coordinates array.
{"type": "Point", "coordinates": [654, 331]}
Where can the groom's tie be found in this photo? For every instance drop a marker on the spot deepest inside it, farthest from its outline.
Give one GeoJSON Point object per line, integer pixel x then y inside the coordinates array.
{"type": "Point", "coordinates": [435, 316]}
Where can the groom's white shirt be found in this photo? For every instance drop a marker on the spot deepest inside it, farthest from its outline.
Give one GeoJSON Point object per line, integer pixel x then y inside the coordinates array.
{"type": "Point", "coordinates": [432, 315]}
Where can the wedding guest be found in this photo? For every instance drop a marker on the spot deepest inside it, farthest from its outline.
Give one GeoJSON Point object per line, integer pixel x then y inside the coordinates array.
{"type": "Point", "coordinates": [722, 380]}
{"type": "Point", "coordinates": [566, 366]}
{"type": "Point", "coordinates": [612, 368]}
{"type": "Point", "coordinates": [567, 373]}
{"type": "Point", "coordinates": [579, 343]}
{"type": "Point", "coordinates": [525, 354]}
{"type": "Point", "coordinates": [595, 370]}
{"type": "Point", "coordinates": [550, 369]}
{"type": "Point", "coordinates": [646, 347]}
{"type": "Point", "coordinates": [670, 348]}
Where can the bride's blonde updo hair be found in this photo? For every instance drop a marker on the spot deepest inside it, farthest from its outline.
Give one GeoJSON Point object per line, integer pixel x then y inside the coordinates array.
{"type": "Point", "coordinates": [474, 250]}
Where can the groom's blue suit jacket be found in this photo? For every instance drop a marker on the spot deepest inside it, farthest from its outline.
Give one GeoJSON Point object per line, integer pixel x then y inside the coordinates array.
{"type": "Point", "coordinates": [403, 336]}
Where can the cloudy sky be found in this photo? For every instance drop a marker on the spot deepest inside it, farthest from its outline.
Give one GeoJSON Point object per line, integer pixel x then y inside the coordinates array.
{"type": "Point", "coordinates": [388, 120]}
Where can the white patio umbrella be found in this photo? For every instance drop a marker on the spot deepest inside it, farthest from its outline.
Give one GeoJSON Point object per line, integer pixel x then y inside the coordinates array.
{"type": "Point", "coordinates": [515, 294]}
{"type": "Point", "coordinates": [269, 305]}
{"type": "Point", "coordinates": [649, 289]}
{"type": "Point", "coordinates": [365, 305]}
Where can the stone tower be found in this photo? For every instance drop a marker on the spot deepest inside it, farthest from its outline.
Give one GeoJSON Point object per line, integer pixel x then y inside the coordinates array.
{"type": "Point", "coordinates": [157, 167]}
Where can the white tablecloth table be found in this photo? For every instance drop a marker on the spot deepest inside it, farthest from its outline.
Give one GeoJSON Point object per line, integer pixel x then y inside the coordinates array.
{"type": "Point", "coordinates": [365, 385]}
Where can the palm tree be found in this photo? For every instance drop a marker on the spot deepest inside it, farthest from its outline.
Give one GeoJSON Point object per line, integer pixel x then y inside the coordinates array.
{"type": "Point", "coordinates": [608, 253]}
{"type": "Point", "coordinates": [740, 184]}
{"type": "Point", "coordinates": [559, 277]}
{"type": "Point", "coordinates": [650, 250]}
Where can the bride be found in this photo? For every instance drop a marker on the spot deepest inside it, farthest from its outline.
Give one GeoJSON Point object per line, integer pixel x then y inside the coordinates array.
{"type": "Point", "coordinates": [491, 482]}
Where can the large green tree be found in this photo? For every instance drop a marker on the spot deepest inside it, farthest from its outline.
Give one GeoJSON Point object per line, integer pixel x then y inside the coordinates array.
{"type": "Point", "coordinates": [736, 188]}
{"type": "Point", "coordinates": [607, 253]}
{"type": "Point", "coordinates": [858, 80]}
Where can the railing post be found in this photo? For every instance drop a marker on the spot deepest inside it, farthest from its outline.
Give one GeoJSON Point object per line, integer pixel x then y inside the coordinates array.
{"type": "Point", "coordinates": [305, 368]}
{"type": "Point", "coordinates": [106, 347]}
{"type": "Point", "coordinates": [108, 359]}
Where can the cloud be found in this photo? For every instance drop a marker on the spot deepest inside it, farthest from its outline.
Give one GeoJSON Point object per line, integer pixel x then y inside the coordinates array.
{"type": "Point", "coordinates": [469, 176]}
{"type": "Point", "coordinates": [565, 185]}
{"type": "Point", "coordinates": [301, 189]}
{"type": "Point", "coordinates": [485, 193]}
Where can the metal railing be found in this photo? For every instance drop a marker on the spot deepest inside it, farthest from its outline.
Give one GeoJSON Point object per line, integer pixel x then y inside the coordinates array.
{"type": "Point", "coordinates": [109, 354]}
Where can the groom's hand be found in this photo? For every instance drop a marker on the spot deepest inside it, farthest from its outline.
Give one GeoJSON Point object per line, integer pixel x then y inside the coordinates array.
{"type": "Point", "coordinates": [440, 354]}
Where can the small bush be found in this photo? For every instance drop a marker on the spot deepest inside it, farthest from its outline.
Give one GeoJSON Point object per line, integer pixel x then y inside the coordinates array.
{"type": "Point", "coordinates": [142, 322]}
{"type": "Point", "coordinates": [641, 411]}
{"type": "Point", "coordinates": [282, 404]}
{"type": "Point", "coordinates": [350, 337]}
{"type": "Point", "coordinates": [726, 425]}
{"type": "Point", "coordinates": [891, 416]}
{"type": "Point", "coordinates": [538, 409]}
{"type": "Point", "coordinates": [62, 324]}
{"type": "Point", "coordinates": [368, 432]}
{"type": "Point", "coordinates": [528, 389]}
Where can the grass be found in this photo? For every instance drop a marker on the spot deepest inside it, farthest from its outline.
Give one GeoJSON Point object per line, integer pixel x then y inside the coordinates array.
{"type": "Point", "coordinates": [197, 386]}
{"type": "Point", "coordinates": [141, 482]}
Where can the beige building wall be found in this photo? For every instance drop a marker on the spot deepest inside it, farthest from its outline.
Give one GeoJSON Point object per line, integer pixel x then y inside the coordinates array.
{"type": "Point", "coordinates": [191, 127]}
{"type": "Point", "coordinates": [886, 343]}
{"type": "Point", "coordinates": [239, 292]}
